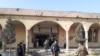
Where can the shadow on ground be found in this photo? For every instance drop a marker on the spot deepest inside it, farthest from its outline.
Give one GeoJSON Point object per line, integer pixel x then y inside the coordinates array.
{"type": "Point", "coordinates": [36, 53]}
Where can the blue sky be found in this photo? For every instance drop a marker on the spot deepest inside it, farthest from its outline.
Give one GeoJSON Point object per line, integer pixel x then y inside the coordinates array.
{"type": "Point", "coordinates": [57, 5]}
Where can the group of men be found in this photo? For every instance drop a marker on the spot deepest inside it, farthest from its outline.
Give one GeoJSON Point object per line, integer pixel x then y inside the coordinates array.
{"type": "Point", "coordinates": [55, 49]}
{"type": "Point", "coordinates": [53, 44]}
{"type": "Point", "coordinates": [20, 51]}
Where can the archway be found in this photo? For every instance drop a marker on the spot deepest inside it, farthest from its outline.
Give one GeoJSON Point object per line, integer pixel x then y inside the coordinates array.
{"type": "Point", "coordinates": [20, 32]}
{"type": "Point", "coordinates": [94, 36]}
{"type": "Point", "coordinates": [72, 43]}
{"type": "Point", "coordinates": [47, 30]}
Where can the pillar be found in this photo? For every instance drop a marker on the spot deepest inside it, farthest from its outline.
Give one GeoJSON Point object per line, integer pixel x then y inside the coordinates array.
{"type": "Point", "coordinates": [86, 37]}
{"type": "Point", "coordinates": [92, 33]}
{"type": "Point", "coordinates": [27, 40]}
{"type": "Point", "coordinates": [67, 42]}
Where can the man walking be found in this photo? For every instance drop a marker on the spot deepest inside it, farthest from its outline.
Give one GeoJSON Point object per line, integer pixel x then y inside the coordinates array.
{"type": "Point", "coordinates": [55, 49]}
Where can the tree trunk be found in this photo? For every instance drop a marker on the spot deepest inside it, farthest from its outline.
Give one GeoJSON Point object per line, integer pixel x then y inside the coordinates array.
{"type": "Point", "coordinates": [4, 53]}
{"type": "Point", "coordinates": [9, 49]}
{"type": "Point", "coordinates": [4, 46]}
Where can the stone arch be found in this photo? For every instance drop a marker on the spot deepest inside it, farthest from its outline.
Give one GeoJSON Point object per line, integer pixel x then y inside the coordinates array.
{"type": "Point", "coordinates": [94, 35]}
{"type": "Point", "coordinates": [20, 32]}
{"type": "Point", "coordinates": [20, 21]}
{"type": "Point", "coordinates": [48, 24]}
{"type": "Point", "coordinates": [48, 21]}
{"type": "Point", "coordinates": [94, 25]}
{"type": "Point", "coordinates": [72, 28]}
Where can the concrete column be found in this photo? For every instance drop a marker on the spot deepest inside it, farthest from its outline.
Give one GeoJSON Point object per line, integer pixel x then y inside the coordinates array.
{"type": "Point", "coordinates": [86, 37]}
{"type": "Point", "coordinates": [67, 42]}
{"type": "Point", "coordinates": [92, 33]}
{"type": "Point", "coordinates": [27, 40]}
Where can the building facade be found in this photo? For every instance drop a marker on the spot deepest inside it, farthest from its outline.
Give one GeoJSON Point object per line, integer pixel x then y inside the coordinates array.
{"type": "Point", "coordinates": [32, 25]}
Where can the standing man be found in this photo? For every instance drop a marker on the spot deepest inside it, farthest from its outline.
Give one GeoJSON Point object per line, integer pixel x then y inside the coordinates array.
{"type": "Point", "coordinates": [18, 50]}
{"type": "Point", "coordinates": [46, 45]}
{"type": "Point", "coordinates": [55, 49]}
{"type": "Point", "coordinates": [21, 48]}
{"type": "Point", "coordinates": [51, 40]}
{"type": "Point", "coordinates": [24, 48]}
{"type": "Point", "coordinates": [64, 43]}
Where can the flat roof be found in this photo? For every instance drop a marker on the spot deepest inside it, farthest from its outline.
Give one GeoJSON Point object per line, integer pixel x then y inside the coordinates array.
{"type": "Point", "coordinates": [31, 12]}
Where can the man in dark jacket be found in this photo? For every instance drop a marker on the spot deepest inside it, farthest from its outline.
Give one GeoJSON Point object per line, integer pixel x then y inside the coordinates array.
{"type": "Point", "coordinates": [23, 48]}
{"type": "Point", "coordinates": [55, 49]}
{"type": "Point", "coordinates": [18, 50]}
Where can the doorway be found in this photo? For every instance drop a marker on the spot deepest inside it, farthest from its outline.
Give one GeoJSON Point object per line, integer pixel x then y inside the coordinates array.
{"type": "Point", "coordinates": [41, 39]}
